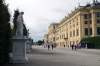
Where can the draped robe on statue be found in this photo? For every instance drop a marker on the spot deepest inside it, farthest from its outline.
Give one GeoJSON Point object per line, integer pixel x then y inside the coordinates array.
{"type": "Point", "coordinates": [19, 24]}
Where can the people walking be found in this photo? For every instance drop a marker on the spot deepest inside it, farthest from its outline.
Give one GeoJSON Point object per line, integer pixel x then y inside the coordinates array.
{"type": "Point", "coordinates": [75, 47]}
{"type": "Point", "coordinates": [48, 47]}
{"type": "Point", "coordinates": [72, 46]}
{"type": "Point", "coordinates": [52, 46]}
{"type": "Point", "coordinates": [64, 45]}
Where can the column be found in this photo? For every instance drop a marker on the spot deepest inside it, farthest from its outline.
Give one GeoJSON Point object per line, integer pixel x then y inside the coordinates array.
{"type": "Point", "coordinates": [81, 30]}
{"type": "Point", "coordinates": [94, 32]}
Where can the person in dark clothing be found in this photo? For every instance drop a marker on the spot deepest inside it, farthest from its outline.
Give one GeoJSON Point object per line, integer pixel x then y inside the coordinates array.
{"type": "Point", "coordinates": [52, 46]}
{"type": "Point", "coordinates": [72, 46]}
{"type": "Point", "coordinates": [48, 47]}
{"type": "Point", "coordinates": [75, 47]}
{"type": "Point", "coordinates": [64, 45]}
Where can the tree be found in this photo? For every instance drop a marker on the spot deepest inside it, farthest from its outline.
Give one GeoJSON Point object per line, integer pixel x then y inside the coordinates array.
{"type": "Point", "coordinates": [40, 42]}
{"type": "Point", "coordinates": [24, 30]}
{"type": "Point", "coordinates": [43, 41]}
{"type": "Point", "coordinates": [5, 33]}
{"type": "Point", "coordinates": [16, 13]}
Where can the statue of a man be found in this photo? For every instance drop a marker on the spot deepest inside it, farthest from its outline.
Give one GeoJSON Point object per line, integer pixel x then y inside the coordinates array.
{"type": "Point", "coordinates": [19, 24]}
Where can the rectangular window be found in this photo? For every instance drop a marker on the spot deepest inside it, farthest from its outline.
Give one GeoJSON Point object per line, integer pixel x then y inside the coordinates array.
{"type": "Point", "coordinates": [98, 30]}
{"type": "Point", "coordinates": [90, 21]}
{"type": "Point", "coordinates": [85, 22]}
{"type": "Point", "coordinates": [85, 16]}
{"type": "Point", "coordinates": [98, 20]}
{"type": "Point", "coordinates": [90, 31]}
{"type": "Point", "coordinates": [98, 14]}
{"type": "Point", "coordinates": [77, 32]}
{"type": "Point", "coordinates": [53, 27]}
{"type": "Point", "coordinates": [76, 17]}
{"type": "Point", "coordinates": [73, 33]}
{"type": "Point", "coordinates": [70, 34]}
{"type": "Point", "coordinates": [86, 31]}
{"type": "Point", "coordinates": [76, 23]}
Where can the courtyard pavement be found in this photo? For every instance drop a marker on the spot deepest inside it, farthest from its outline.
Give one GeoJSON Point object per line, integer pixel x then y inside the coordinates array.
{"type": "Point", "coordinates": [61, 56]}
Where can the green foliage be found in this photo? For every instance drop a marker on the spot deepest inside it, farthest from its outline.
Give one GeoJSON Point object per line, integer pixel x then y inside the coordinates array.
{"type": "Point", "coordinates": [40, 42]}
{"type": "Point", "coordinates": [43, 40]}
{"type": "Point", "coordinates": [24, 30]}
{"type": "Point", "coordinates": [16, 13]}
{"type": "Point", "coordinates": [94, 42]}
{"type": "Point", "coordinates": [5, 33]}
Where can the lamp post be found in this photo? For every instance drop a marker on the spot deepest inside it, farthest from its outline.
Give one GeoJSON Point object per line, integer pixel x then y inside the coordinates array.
{"type": "Point", "coordinates": [66, 40]}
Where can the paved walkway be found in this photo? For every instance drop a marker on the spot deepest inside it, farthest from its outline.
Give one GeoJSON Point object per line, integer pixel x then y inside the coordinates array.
{"type": "Point", "coordinates": [61, 56]}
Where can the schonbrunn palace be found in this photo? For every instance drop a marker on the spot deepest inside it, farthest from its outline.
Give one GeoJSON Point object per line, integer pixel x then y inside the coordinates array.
{"type": "Point", "coordinates": [81, 23]}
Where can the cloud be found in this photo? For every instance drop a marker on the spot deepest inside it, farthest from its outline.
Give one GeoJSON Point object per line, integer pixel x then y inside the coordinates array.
{"type": "Point", "coordinates": [38, 14]}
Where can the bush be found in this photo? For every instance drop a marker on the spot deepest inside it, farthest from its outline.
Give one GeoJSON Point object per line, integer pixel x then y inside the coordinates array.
{"type": "Point", "coordinates": [94, 42]}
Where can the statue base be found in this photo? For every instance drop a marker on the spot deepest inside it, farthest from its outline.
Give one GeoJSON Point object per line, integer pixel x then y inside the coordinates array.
{"type": "Point", "coordinates": [19, 50]}
{"type": "Point", "coordinates": [28, 46]}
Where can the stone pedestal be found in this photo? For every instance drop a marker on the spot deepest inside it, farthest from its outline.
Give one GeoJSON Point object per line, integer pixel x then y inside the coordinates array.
{"type": "Point", "coordinates": [28, 46]}
{"type": "Point", "coordinates": [19, 50]}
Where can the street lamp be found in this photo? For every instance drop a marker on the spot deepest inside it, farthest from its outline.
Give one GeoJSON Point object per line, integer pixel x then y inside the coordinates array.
{"type": "Point", "coordinates": [65, 40]}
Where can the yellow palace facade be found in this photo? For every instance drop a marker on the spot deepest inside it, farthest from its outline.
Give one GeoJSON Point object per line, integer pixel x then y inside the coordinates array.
{"type": "Point", "coordinates": [83, 22]}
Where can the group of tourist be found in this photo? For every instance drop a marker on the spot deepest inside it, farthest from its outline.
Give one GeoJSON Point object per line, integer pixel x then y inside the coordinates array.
{"type": "Point", "coordinates": [74, 47]}
{"type": "Point", "coordinates": [48, 46]}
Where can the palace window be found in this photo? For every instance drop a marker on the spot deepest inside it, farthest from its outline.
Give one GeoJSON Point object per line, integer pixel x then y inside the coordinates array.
{"type": "Point", "coordinates": [85, 22]}
{"type": "Point", "coordinates": [73, 33]}
{"type": "Point", "coordinates": [77, 32]}
{"type": "Point", "coordinates": [90, 31]}
{"type": "Point", "coordinates": [90, 15]}
{"type": "Point", "coordinates": [53, 27]}
{"type": "Point", "coordinates": [76, 23]}
{"type": "Point", "coordinates": [98, 21]}
{"type": "Point", "coordinates": [86, 31]}
{"type": "Point", "coordinates": [60, 36]}
{"type": "Point", "coordinates": [70, 34]}
{"type": "Point", "coordinates": [85, 16]}
{"type": "Point", "coordinates": [98, 14]}
{"type": "Point", "coordinates": [98, 30]}
{"type": "Point", "coordinates": [76, 17]}
{"type": "Point", "coordinates": [64, 36]}
{"type": "Point", "coordinates": [90, 21]}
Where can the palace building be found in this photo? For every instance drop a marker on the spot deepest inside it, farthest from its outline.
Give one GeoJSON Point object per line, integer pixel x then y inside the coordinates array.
{"type": "Point", "coordinates": [81, 23]}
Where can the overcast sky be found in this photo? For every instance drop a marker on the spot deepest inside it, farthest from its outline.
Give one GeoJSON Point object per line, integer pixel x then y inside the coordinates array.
{"type": "Point", "coordinates": [39, 14]}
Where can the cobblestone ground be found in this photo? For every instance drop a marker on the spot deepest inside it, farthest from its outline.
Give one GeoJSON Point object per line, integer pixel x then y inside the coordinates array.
{"type": "Point", "coordinates": [60, 56]}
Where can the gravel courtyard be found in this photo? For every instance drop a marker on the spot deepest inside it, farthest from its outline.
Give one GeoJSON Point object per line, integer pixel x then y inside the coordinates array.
{"type": "Point", "coordinates": [61, 56]}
